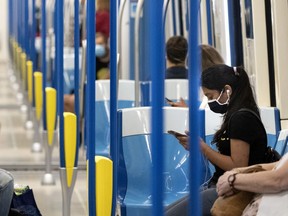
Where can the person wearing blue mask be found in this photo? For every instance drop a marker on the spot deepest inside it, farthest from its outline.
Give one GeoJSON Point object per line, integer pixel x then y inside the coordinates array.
{"type": "Point", "coordinates": [102, 68]}
{"type": "Point", "coordinates": [241, 139]}
{"type": "Point", "coordinates": [102, 56]}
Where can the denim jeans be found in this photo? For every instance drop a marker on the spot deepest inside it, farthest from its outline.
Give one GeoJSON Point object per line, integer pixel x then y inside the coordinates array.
{"type": "Point", "coordinates": [208, 196]}
{"type": "Point", "coordinates": [6, 191]}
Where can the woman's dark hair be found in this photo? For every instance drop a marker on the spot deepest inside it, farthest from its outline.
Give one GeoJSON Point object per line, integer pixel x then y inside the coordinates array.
{"type": "Point", "coordinates": [216, 77]}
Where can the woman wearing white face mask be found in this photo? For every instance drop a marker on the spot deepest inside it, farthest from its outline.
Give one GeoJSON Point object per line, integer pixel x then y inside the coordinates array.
{"type": "Point", "coordinates": [241, 140]}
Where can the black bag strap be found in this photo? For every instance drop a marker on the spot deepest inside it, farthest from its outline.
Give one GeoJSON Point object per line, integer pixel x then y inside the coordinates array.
{"type": "Point", "coordinates": [251, 111]}
{"type": "Point", "coordinates": [271, 154]}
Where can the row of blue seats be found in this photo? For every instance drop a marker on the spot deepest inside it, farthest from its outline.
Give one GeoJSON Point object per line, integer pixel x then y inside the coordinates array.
{"type": "Point", "coordinates": [135, 145]}
{"type": "Point", "coordinates": [174, 89]}
{"type": "Point", "coordinates": [134, 179]}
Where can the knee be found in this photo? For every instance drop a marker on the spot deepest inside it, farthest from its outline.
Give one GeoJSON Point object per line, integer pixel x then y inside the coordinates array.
{"type": "Point", "coordinates": [6, 181]}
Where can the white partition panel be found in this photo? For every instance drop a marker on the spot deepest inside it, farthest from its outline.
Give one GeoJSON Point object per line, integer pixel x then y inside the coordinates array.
{"type": "Point", "coordinates": [255, 51]}
{"type": "Point", "coordinates": [280, 42]}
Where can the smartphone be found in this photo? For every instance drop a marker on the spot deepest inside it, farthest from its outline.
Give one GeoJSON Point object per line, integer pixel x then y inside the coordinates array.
{"type": "Point", "coordinates": [175, 133]}
{"type": "Point", "coordinates": [168, 100]}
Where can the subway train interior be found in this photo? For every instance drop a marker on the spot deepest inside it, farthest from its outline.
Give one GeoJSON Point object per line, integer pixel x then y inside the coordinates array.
{"type": "Point", "coordinates": [85, 124]}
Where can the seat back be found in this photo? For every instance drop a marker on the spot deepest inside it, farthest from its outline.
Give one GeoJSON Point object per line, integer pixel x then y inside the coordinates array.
{"type": "Point", "coordinates": [126, 98]}
{"type": "Point", "coordinates": [281, 144]}
{"type": "Point", "coordinates": [136, 159]}
{"type": "Point", "coordinates": [270, 117]}
{"type": "Point", "coordinates": [174, 89]}
{"type": "Point", "coordinates": [68, 70]}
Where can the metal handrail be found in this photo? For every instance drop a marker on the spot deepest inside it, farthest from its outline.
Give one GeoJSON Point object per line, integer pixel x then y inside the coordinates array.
{"type": "Point", "coordinates": [121, 12]}
{"type": "Point", "coordinates": [136, 53]}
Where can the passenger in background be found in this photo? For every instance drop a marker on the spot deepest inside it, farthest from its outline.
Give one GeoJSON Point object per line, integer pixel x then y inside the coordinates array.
{"type": "Point", "coordinates": [209, 57]}
{"type": "Point", "coordinates": [102, 56]}
{"type": "Point", "coordinates": [102, 68]}
{"type": "Point", "coordinates": [176, 52]}
{"type": "Point", "coordinates": [241, 140]}
{"type": "Point", "coordinates": [103, 17]}
{"type": "Point", "coordinates": [6, 191]}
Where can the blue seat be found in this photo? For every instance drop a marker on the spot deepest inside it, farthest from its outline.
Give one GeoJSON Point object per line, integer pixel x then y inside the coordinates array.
{"type": "Point", "coordinates": [270, 117]}
{"type": "Point", "coordinates": [126, 99]}
{"type": "Point", "coordinates": [281, 144]}
{"type": "Point", "coordinates": [68, 73]}
{"type": "Point", "coordinates": [134, 142]}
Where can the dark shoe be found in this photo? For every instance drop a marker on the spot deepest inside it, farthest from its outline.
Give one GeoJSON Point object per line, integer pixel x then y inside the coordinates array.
{"type": "Point", "coordinates": [14, 212]}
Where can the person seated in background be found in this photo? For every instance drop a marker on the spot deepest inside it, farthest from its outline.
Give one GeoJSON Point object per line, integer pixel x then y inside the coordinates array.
{"type": "Point", "coordinates": [6, 191]}
{"type": "Point", "coordinates": [209, 57]}
{"type": "Point", "coordinates": [103, 17]}
{"type": "Point", "coordinates": [176, 51]}
{"type": "Point", "coordinates": [102, 56]}
{"type": "Point", "coordinates": [266, 184]}
{"type": "Point", "coordinates": [102, 68]}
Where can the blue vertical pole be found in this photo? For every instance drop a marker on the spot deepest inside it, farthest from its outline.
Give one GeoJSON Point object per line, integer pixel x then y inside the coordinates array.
{"type": "Point", "coordinates": [26, 29]}
{"type": "Point", "coordinates": [14, 20]}
{"type": "Point", "coordinates": [209, 22]}
{"type": "Point", "coordinates": [76, 70]}
{"type": "Point", "coordinates": [10, 18]}
{"type": "Point", "coordinates": [59, 71]}
{"type": "Point", "coordinates": [194, 71]}
{"type": "Point", "coordinates": [54, 74]}
{"type": "Point", "coordinates": [32, 45]}
{"type": "Point", "coordinates": [18, 22]}
{"type": "Point", "coordinates": [113, 94]}
{"type": "Point", "coordinates": [23, 24]}
{"type": "Point", "coordinates": [33, 35]}
{"type": "Point", "coordinates": [91, 75]}
{"type": "Point", "coordinates": [43, 59]}
{"type": "Point", "coordinates": [156, 66]}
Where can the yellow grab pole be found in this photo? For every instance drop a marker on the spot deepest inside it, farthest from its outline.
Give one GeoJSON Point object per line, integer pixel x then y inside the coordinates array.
{"type": "Point", "coordinates": [19, 51]}
{"type": "Point", "coordinates": [70, 144]}
{"type": "Point", "coordinates": [29, 65]}
{"type": "Point", "coordinates": [23, 69]}
{"type": "Point", "coordinates": [14, 45]}
{"type": "Point", "coordinates": [51, 106]}
{"type": "Point", "coordinates": [104, 185]}
{"type": "Point", "coordinates": [38, 94]}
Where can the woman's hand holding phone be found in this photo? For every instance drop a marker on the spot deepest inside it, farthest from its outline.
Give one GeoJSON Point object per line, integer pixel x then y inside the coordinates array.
{"type": "Point", "coordinates": [180, 103]}
{"type": "Point", "coordinates": [182, 138]}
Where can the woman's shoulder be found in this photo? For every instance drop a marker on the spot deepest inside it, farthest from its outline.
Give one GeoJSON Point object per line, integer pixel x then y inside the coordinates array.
{"type": "Point", "coordinates": [246, 118]}
{"type": "Point", "coordinates": [246, 113]}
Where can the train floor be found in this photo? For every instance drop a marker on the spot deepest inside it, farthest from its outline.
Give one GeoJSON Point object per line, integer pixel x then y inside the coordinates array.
{"type": "Point", "coordinates": [29, 168]}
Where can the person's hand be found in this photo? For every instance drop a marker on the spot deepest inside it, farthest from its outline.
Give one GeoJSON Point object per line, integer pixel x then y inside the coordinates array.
{"type": "Point", "coordinates": [223, 187]}
{"type": "Point", "coordinates": [69, 103]}
{"type": "Point", "coordinates": [184, 140]}
{"type": "Point", "coordinates": [180, 103]}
